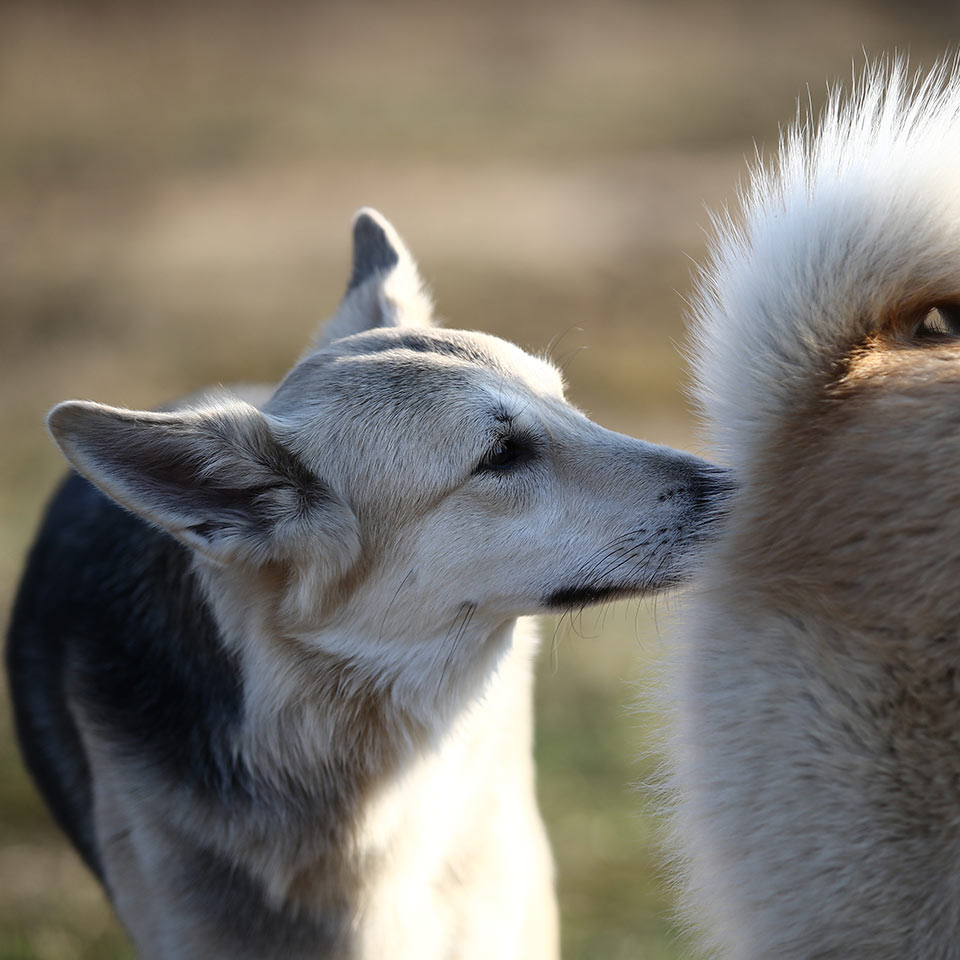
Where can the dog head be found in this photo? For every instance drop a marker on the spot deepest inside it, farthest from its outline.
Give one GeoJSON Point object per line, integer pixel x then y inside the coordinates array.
{"type": "Point", "coordinates": [402, 474]}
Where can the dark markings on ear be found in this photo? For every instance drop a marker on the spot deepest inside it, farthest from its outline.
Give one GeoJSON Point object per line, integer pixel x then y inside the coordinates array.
{"type": "Point", "coordinates": [255, 503]}
{"type": "Point", "coordinates": [219, 479]}
{"type": "Point", "coordinates": [384, 290]}
{"type": "Point", "coordinates": [373, 250]}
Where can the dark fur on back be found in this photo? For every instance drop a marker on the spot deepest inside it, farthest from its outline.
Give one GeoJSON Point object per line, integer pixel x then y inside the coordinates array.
{"type": "Point", "coordinates": [87, 630]}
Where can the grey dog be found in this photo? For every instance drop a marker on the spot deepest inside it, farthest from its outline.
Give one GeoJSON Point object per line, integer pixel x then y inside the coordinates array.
{"type": "Point", "coordinates": [265, 660]}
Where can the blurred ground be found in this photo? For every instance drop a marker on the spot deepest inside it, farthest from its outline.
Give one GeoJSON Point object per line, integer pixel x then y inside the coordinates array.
{"type": "Point", "coordinates": [176, 184]}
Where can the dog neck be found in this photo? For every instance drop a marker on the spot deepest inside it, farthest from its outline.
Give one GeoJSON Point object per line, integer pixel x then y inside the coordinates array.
{"type": "Point", "coordinates": [351, 691]}
{"type": "Point", "coordinates": [351, 734]}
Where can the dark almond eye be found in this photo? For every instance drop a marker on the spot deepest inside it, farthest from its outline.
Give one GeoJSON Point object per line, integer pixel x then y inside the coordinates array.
{"type": "Point", "coordinates": [500, 455]}
{"type": "Point", "coordinates": [508, 452]}
{"type": "Point", "coordinates": [503, 454]}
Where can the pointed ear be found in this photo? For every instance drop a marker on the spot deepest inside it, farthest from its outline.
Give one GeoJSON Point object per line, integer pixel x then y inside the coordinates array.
{"type": "Point", "coordinates": [217, 479]}
{"type": "Point", "coordinates": [385, 289]}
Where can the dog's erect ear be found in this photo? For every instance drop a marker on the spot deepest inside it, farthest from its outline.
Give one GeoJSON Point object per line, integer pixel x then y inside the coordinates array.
{"type": "Point", "coordinates": [217, 479]}
{"type": "Point", "coordinates": [385, 289]}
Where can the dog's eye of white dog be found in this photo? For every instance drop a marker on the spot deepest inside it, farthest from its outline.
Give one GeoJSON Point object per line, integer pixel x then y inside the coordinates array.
{"type": "Point", "coordinates": [500, 455]}
{"type": "Point", "coordinates": [505, 453]}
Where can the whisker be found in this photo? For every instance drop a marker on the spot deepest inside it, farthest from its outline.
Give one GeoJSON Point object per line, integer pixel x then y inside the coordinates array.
{"type": "Point", "coordinates": [468, 610]}
{"type": "Point", "coordinates": [555, 340]}
{"type": "Point", "coordinates": [386, 612]}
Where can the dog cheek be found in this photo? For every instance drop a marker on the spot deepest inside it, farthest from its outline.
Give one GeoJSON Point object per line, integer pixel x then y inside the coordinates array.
{"type": "Point", "coordinates": [321, 554]}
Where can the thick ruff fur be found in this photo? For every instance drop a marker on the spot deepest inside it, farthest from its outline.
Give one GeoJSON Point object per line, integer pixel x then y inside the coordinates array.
{"type": "Point", "coordinates": [816, 746]}
{"type": "Point", "coordinates": [279, 702]}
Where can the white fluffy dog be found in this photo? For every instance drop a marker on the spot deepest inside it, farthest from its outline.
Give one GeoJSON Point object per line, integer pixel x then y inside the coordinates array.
{"type": "Point", "coordinates": [816, 743]}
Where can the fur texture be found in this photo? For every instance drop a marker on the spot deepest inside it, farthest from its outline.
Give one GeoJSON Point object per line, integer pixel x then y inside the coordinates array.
{"type": "Point", "coordinates": [816, 740]}
{"type": "Point", "coordinates": [265, 661]}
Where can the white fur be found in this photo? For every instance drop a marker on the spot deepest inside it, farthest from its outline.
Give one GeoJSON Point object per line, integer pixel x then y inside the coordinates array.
{"type": "Point", "coordinates": [856, 213]}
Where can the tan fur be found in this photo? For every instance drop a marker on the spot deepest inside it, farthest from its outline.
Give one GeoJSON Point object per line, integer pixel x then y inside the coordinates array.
{"type": "Point", "coordinates": [815, 682]}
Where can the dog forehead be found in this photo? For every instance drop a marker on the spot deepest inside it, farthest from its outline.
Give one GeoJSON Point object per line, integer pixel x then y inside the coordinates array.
{"type": "Point", "coordinates": [446, 347]}
{"type": "Point", "coordinates": [410, 369]}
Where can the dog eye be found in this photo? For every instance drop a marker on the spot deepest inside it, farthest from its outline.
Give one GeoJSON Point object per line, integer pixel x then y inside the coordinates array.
{"type": "Point", "coordinates": [940, 322]}
{"type": "Point", "coordinates": [503, 454]}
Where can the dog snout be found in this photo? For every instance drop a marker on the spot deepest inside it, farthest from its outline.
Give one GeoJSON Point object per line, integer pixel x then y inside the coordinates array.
{"type": "Point", "coordinates": [709, 491]}
{"type": "Point", "coordinates": [687, 480]}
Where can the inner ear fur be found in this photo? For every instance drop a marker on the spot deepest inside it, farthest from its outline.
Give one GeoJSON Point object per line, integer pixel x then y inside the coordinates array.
{"type": "Point", "coordinates": [217, 478]}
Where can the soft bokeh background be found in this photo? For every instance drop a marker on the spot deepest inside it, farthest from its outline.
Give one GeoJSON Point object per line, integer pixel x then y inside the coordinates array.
{"type": "Point", "coordinates": [176, 184]}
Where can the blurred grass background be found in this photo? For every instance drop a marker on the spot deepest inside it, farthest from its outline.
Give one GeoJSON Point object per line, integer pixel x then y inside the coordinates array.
{"type": "Point", "coordinates": [176, 184]}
